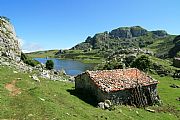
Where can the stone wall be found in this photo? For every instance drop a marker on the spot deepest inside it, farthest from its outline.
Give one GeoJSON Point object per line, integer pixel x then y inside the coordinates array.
{"type": "Point", "coordinates": [84, 82]}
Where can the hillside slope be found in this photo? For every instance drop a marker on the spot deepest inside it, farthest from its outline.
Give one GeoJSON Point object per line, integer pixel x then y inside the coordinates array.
{"type": "Point", "coordinates": [158, 41]}
{"type": "Point", "coordinates": [59, 100]}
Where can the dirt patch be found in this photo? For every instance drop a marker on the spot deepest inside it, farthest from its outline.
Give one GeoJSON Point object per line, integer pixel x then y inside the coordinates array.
{"type": "Point", "coordinates": [11, 87]}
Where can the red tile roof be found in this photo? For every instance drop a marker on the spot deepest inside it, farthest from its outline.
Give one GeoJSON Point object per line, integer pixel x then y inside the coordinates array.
{"type": "Point", "coordinates": [120, 79]}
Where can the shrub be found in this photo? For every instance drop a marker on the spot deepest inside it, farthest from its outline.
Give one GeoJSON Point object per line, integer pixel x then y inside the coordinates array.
{"type": "Point", "coordinates": [28, 60]}
{"type": "Point", "coordinates": [49, 64]}
{"type": "Point", "coordinates": [143, 63]}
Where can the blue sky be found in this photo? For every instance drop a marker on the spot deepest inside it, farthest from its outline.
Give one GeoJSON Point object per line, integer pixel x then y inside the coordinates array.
{"type": "Point", "coordinates": [61, 24]}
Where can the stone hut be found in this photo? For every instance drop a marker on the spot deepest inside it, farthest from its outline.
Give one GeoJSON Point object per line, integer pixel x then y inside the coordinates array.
{"type": "Point", "coordinates": [121, 86]}
{"type": "Point", "coordinates": [176, 62]}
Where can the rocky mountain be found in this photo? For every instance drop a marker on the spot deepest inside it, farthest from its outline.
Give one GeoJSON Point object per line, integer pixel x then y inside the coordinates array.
{"type": "Point", "coordinates": [128, 37]}
{"type": "Point", "coordinates": [9, 44]}
{"type": "Point", "coordinates": [128, 32]}
{"type": "Point", "coordinates": [123, 37]}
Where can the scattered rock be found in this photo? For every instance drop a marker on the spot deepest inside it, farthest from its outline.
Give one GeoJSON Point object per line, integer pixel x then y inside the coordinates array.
{"type": "Point", "coordinates": [71, 78]}
{"type": "Point", "coordinates": [34, 77]}
{"type": "Point", "coordinates": [108, 102]}
{"type": "Point", "coordinates": [174, 86]}
{"type": "Point", "coordinates": [42, 99]}
{"type": "Point", "coordinates": [30, 115]}
{"type": "Point", "coordinates": [15, 72]}
{"type": "Point", "coordinates": [101, 105]}
{"type": "Point", "coordinates": [105, 105]}
{"type": "Point", "coordinates": [19, 78]}
{"type": "Point", "coordinates": [137, 112]}
{"type": "Point", "coordinates": [150, 110]}
{"type": "Point", "coordinates": [45, 74]}
{"type": "Point", "coordinates": [178, 99]}
{"type": "Point", "coordinates": [68, 114]}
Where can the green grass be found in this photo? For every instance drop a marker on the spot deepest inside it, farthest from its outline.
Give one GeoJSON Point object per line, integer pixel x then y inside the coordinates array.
{"type": "Point", "coordinates": [167, 64]}
{"type": "Point", "coordinates": [162, 45]}
{"type": "Point", "coordinates": [167, 93]}
{"type": "Point", "coordinates": [58, 100]}
{"type": "Point", "coordinates": [43, 54]}
{"type": "Point", "coordinates": [85, 57]}
{"type": "Point", "coordinates": [80, 55]}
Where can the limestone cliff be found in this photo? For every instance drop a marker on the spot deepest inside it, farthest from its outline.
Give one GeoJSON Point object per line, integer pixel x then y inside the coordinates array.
{"type": "Point", "coordinates": [160, 33]}
{"type": "Point", "coordinates": [9, 44]}
{"type": "Point", "coordinates": [128, 32]}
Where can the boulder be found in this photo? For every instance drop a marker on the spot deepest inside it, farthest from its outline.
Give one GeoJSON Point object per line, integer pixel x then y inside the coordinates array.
{"type": "Point", "coordinates": [101, 105]}
{"type": "Point", "coordinates": [34, 77]}
{"type": "Point", "coordinates": [45, 74]}
{"type": "Point", "coordinates": [175, 86]}
{"type": "Point", "coordinates": [105, 105]}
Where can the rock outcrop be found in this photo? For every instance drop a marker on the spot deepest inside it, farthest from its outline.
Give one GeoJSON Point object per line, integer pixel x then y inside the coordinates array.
{"type": "Point", "coordinates": [128, 32]}
{"type": "Point", "coordinates": [160, 33]}
{"type": "Point", "coordinates": [9, 44]}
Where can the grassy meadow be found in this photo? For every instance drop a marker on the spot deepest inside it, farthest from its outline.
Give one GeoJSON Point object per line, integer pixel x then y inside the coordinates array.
{"type": "Point", "coordinates": [54, 100]}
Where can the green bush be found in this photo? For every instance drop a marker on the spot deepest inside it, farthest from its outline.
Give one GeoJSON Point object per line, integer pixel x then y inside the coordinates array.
{"type": "Point", "coordinates": [28, 60]}
{"type": "Point", "coordinates": [49, 64]}
{"type": "Point", "coordinates": [143, 63]}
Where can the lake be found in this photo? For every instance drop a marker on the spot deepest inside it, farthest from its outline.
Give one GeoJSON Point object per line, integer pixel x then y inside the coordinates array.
{"type": "Point", "coordinates": [71, 67]}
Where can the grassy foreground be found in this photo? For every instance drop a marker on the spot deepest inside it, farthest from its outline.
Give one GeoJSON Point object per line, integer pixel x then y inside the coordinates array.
{"type": "Point", "coordinates": [58, 101]}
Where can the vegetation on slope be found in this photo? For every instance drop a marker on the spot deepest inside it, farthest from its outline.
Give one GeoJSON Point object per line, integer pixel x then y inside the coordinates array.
{"type": "Point", "coordinates": [58, 100]}
{"type": "Point", "coordinates": [43, 54]}
{"type": "Point", "coordinates": [125, 37]}
{"type": "Point", "coordinates": [26, 59]}
{"type": "Point", "coordinates": [91, 56]}
{"type": "Point", "coordinates": [175, 51]}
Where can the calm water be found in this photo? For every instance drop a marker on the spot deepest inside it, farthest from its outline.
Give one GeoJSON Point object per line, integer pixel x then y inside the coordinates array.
{"type": "Point", "coordinates": [71, 67]}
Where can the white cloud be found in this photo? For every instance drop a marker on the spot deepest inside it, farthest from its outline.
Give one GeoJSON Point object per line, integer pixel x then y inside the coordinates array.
{"type": "Point", "coordinates": [28, 47]}
{"type": "Point", "coordinates": [31, 47]}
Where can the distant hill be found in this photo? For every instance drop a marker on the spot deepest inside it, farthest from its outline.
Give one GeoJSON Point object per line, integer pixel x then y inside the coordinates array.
{"type": "Point", "coordinates": [158, 41]}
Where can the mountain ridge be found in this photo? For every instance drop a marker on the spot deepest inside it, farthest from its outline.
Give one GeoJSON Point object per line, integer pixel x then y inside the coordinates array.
{"type": "Point", "coordinates": [135, 35]}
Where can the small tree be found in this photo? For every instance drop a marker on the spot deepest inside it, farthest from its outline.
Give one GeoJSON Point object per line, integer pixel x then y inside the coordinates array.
{"type": "Point", "coordinates": [143, 63]}
{"type": "Point", "coordinates": [49, 64]}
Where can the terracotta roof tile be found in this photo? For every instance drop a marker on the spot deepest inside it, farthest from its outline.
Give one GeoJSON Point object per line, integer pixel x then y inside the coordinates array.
{"type": "Point", "coordinates": [120, 79]}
